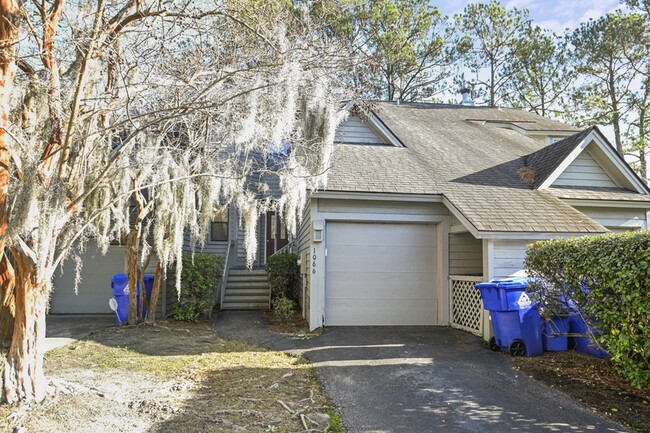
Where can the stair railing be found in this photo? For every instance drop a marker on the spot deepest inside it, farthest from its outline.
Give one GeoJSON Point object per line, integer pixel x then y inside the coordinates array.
{"type": "Point", "coordinates": [224, 276]}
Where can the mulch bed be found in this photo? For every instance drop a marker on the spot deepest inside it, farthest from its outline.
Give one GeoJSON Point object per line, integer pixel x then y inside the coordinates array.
{"type": "Point", "coordinates": [594, 382]}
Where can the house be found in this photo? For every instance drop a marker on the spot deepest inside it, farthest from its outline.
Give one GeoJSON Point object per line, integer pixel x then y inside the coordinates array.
{"type": "Point", "coordinates": [424, 200]}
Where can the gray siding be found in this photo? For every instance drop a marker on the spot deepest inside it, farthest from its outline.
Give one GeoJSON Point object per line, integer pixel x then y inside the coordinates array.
{"type": "Point", "coordinates": [584, 171]}
{"type": "Point", "coordinates": [208, 247]}
{"type": "Point", "coordinates": [508, 257]}
{"type": "Point", "coordinates": [617, 218]}
{"type": "Point", "coordinates": [354, 131]}
{"type": "Point", "coordinates": [465, 254]}
{"type": "Point", "coordinates": [303, 235]}
{"type": "Point", "coordinates": [261, 244]}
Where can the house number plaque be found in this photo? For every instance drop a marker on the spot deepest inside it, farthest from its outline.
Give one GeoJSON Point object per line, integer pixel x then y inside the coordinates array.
{"type": "Point", "coordinates": [313, 262]}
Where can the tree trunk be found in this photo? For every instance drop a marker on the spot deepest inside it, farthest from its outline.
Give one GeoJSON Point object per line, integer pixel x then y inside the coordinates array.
{"type": "Point", "coordinates": [9, 21]}
{"type": "Point", "coordinates": [155, 293]}
{"type": "Point", "coordinates": [7, 300]}
{"type": "Point", "coordinates": [24, 377]}
{"type": "Point", "coordinates": [133, 273]}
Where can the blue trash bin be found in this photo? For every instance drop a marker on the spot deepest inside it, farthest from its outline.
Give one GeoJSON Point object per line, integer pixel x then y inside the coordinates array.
{"type": "Point", "coordinates": [120, 286]}
{"type": "Point", "coordinates": [516, 321]}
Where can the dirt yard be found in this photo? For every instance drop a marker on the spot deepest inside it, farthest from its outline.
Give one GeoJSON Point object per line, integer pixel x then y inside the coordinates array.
{"type": "Point", "coordinates": [593, 382]}
{"type": "Point", "coordinates": [173, 377]}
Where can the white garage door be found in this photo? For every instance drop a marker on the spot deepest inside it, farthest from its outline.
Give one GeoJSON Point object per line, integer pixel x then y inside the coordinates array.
{"type": "Point", "coordinates": [95, 287]}
{"type": "Point", "coordinates": [380, 274]}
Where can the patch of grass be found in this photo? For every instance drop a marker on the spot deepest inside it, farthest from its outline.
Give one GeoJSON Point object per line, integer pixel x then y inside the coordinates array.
{"type": "Point", "coordinates": [173, 377]}
{"type": "Point", "coordinates": [335, 422]}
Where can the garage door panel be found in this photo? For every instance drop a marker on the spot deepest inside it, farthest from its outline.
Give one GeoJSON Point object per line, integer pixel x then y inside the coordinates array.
{"type": "Point", "coordinates": [381, 235]}
{"type": "Point", "coordinates": [385, 285]}
{"type": "Point", "coordinates": [369, 312]}
{"type": "Point", "coordinates": [380, 274]}
{"type": "Point", "coordinates": [394, 259]}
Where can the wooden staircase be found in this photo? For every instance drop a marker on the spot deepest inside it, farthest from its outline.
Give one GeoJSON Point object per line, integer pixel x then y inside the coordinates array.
{"type": "Point", "coordinates": [247, 290]}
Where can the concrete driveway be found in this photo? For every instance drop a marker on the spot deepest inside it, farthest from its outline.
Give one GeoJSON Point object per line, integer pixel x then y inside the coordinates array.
{"type": "Point", "coordinates": [422, 379]}
{"type": "Point", "coordinates": [64, 329]}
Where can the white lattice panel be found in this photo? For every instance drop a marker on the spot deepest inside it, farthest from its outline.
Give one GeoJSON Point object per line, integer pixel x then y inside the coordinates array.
{"type": "Point", "coordinates": [466, 306]}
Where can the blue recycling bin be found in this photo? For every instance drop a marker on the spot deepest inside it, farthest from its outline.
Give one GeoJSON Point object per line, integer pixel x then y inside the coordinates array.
{"type": "Point", "coordinates": [516, 322]}
{"type": "Point", "coordinates": [584, 342]}
{"type": "Point", "coordinates": [555, 334]}
{"type": "Point", "coordinates": [120, 286]}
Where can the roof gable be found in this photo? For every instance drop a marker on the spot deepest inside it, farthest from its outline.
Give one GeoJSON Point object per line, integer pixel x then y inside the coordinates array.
{"type": "Point", "coordinates": [368, 131]}
{"type": "Point", "coordinates": [559, 164]}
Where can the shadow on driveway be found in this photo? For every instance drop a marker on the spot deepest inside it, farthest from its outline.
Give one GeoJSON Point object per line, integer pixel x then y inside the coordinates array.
{"type": "Point", "coordinates": [421, 379]}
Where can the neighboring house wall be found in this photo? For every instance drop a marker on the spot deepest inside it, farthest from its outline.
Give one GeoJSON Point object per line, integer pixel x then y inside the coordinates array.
{"type": "Point", "coordinates": [617, 219]}
{"type": "Point", "coordinates": [584, 171]}
{"type": "Point", "coordinates": [465, 254]}
{"type": "Point", "coordinates": [95, 287]}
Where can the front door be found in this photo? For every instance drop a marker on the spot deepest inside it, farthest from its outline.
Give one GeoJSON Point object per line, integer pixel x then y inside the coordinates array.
{"type": "Point", "coordinates": [276, 233]}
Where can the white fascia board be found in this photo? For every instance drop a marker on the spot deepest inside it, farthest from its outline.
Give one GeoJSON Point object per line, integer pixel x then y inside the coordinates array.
{"type": "Point", "coordinates": [463, 220]}
{"type": "Point", "coordinates": [376, 123]}
{"type": "Point", "coordinates": [625, 169]}
{"type": "Point", "coordinates": [552, 132]}
{"type": "Point", "coordinates": [378, 196]}
{"type": "Point", "coordinates": [535, 235]}
{"type": "Point", "coordinates": [606, 203]}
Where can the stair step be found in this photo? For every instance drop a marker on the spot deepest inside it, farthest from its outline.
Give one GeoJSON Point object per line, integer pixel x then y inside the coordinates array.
{"type": "Point", "coordinates": [247, 285]}
{"type": "Point", "coordinates": [245, 306]}
{"type": "Point", "coordinates": [247, 280]}
{"type": "Point", "coordinates": [246, 292]}
{"type": "Point", "coordinates": [254, 272]}
{"type": "Point", "coordinates": [244, 298]}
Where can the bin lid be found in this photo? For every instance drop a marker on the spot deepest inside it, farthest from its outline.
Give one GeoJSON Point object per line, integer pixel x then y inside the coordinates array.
{"type": "Point", "coordinates": [482, 286]}
{"type": "Point", "coordinates": [148, 277]}
{"type": "Point", "coordinates": [120, 284]}
{"type": "Point", "coordinates": [512, 283]}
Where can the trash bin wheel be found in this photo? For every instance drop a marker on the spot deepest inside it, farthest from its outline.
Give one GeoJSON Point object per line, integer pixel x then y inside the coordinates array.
{"type": "Point", "coordinates": [517, 348]}
{"type": "Point", "coordinates": [493, 345]}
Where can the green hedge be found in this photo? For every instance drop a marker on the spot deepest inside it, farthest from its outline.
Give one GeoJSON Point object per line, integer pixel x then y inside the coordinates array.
{"type": "Point", "coordinates": [283, 275]}
{"type": "Point", "coordinates": [200, 279]}
{"type": "Point", "coordinates": [608, 278]}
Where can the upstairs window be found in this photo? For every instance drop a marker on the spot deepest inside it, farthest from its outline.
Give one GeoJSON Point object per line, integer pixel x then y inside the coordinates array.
{"type": "Point", "coordinates": [219, 227]}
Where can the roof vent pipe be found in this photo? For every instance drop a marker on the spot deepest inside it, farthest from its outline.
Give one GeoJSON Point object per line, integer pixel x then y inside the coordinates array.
{"type": "Point", "coordinates": [467, 97]}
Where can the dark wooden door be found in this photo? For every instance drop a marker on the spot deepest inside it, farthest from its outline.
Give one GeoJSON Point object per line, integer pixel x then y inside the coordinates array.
{"type": "Point", "coordinates": [276, 233]}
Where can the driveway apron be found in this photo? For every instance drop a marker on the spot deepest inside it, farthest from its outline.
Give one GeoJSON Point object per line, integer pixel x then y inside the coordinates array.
{"type": "Point", "coordinates": [421, 379]}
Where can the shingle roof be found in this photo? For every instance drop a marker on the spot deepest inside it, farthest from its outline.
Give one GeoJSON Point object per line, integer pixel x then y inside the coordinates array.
{"type": "Point", "coordinates": [593, 193]}
{"type": "Point", "coordinates": [455, 151]}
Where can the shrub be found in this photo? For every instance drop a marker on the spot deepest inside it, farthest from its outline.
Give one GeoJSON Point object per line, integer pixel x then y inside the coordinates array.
{"type": "Point", "coordinates": [283, 275]}
{"type": "Point", "coordinates": [200, 278]}
{"type": "Point", "coordinates": [283, 309]}
{"type": "Point", "coordinates": [607, 278]}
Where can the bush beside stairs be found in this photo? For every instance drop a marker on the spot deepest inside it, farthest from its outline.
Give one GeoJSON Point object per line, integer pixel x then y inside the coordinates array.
{"type": "Point", "coordinates": [247, 290]}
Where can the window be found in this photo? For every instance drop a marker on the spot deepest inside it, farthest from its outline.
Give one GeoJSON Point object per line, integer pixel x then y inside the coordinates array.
{"type": "Point", "coordinates": [219, 227]}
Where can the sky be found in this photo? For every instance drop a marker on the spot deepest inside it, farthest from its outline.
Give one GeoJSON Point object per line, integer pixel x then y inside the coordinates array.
{"type": "Point", "coordinates": [556, 15]}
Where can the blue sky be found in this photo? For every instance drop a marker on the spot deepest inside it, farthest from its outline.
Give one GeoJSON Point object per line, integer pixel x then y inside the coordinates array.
{"type": "Point", "coordinates": [552, 14]}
